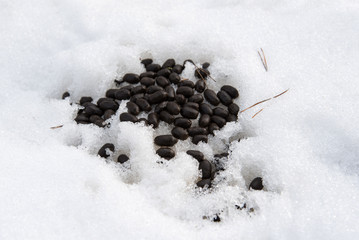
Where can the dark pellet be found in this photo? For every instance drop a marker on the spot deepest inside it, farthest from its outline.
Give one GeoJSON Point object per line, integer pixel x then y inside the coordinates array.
{"type": "Point", "coordinates": [170, 93]}
{"type": "Point", "coordinates": [166, 117]}
{"type": "Point", "coordinates": [205, 65]}
{"type": "Point", "coordinates": [87, 104]}
{"type": "Point", "coordinates": [82, 118]}
{"type": "Point", "coordinates": [218, 120]}
{"type": "Point", "coordinates": [177, 69]}
{"type": "Point", "coordinates": [147, 61]}
{"type": "Point", "coordinates": [143, 104]}
{"type": "Point", "coordinates": [180, 99]}
{"type": "Point", "coordinates": [199, 138]}
{"type": "Point", "coordinates": [104, 99]}
{"type": "Point", "coordinates": [146, 81]}
{"type": "Point", "coordinates": [211, 97]}
{"type": "Point", "coordinates": [108, 114]}
{"type": "Point", "coordinates": [153, 89]}
{"type": "Point", "coordinates": [135, 97]}
{"type": "Point", "coordinates": [133, 108]}
{"type": "Point", "coordinates": [122, 158]}
{"type": "Point", "coordinates": [65, 95]}
{"type": "Point", "coordinates": [186, 83]}
{"type": "Point", "coordinates": [185, 91]}
{"type": "Point", "coordinates": [165, 140]}
{"type": "Point", "coordinates": [173, 108]}
{"type": "Point", "coordinates": [182, 122]}
{"type": "Point", "coordinates": [153, 67]}
{"type": "Point", "coordinates": [201, 73]}
{"type": "Point", "coordinates": [166, 153]}
{"type": "Point", "coordinates": [160, 107]}
{"type": "Point", "coordinates": [148, 74]}
{"type": "Point", "coordinates": [108, 104]}
{"type": "Point", "coordinates": [169, 63]}
{"type": "Point", "coordinates": [138, 89]}
{"type": "Point", "coordinates": [100, 123]}
{"type": "Point", "coordinates": [131, 78]}
{"type": "Point", "coordinates": [203, 183]}
{"type": "Point", "coordinates": [231, 118]}
{"type": "Point", "coordinates": [153, 119]}
{"type": "Point", "coordinates": [162, 81]}
{"type": "Point", "coordinates": [222, 112]}
{"type": "Point", "coordinates": [85, 99]}
{"type": "Point", "coordinates": [205, 108]}
{"type": "Point", "coordinates": [197, 98]}
{"type": "Point", "coordinates": [95, 118]}
{"type": "Point", "coordinates": [224, 97]}
{"type": "Point", "coordinates": [92, 110]}
{"type": "Point", "coordinates": [111, 93]}
{"type": "Point", "coordinates": [256, 184]}
{"type": "Point", "coordinates": [230, 90]}
{"type": "Point", "coordinates": [174, 78]}
{"type": "Point", "coordinates": [213, 127]}
{"type": "Point", "coordinates": [123, 94]}
{"type": "Point", "coordinates": [200, 86]}
{"type": "Point", "coordinates": [128, 87]}
{"type": "Point", "coordinates": [190, 113]}
{"type": "Point", "coordinates": [204, 120]}
{"type": "Point", "coordinates": [164, 72]}
{"type": "Point", "coordinates": [196, 154]}
{"type": "Point", "coordinates": [192, 131]}
{"type": "Point", "coordinates": [192, 105]}
{"type": "Point", "coordinates": [103, 153]}
{"type": "Point", "coordinates": [233, 108]}
{"type": "Point", "coordinates": [157, 97]}
{"type": "Point", "coordinates": [206, 168]}
{"type": "Point", "coordinates": [127, 117]}
{"type": "Point", "coordinates": [179, 133]}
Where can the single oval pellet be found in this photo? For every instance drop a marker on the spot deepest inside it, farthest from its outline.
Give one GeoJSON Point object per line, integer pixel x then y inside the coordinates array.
{"type": "Point", "coordinates": [153, 89]}
{"type": "Point", "coordinates": [170, 93]}
{"type": "Point", "coordinates": [143, 104]}
{"type": "Point", "coordinates": [108, 114]}
{"type": "Point", "coordinates": [166, 153]}
{"type": "Point", "coordinates": [197, 98]}
{"type": "Point", "coordinates": [162, 81]}
{"type": "Point", "coordinates": [179, 133]}
{"type": "Point", "coordinates": [186, 83]}
{"type": "Point", "coordinates": [206, 168]}
{"type": "Point", "coordinates": [213, 127]}
{"type": "Point", "coordinates": [108, 104]}
{"type": "Point", "coordinates": [85, 100]}
{"type": "Point", "coordinates": [211, 97]}
{"type": "Point", "coordinates": [199, 138]}
{"type": "Point", "coordinates": [164, 72]}
{"type": "Point", "coordinates": [180, 99]}
{"type": "Point", "coordinates": [177, 69]}
{"type": "Point", "coordinates": [192, 131]}
{"type": "Point", "coordinates": [165, 140]}
{"type": "Point", "coordinates": [233, 109]}
{"type": "Point", "coordinates": [147, 61]}
{"type": "Point", "coordinates": [122, 158]}
{"type": "Point", "coordinates": [185, 91]}
{"type": "Point", "coordinates": [222, 112]}
{"type": "Point", "coordinates": [174, 78]}
{"type": "Point", "coordinates": [230, 90]}
{"type": "Point", "coordinates": [189, 112]}
{"type": "Point", "coordinates": [224, 97]}
{"type": "Point", "coordinates": [138, 89]}
{"type": "Point", "coordinates": [196, 154]}
{"type": "Point", "coordinates": [106, 147]}
{"type": "Point", "coordinates": [166, 117]}
{"type": "Point", "coordinates": [122, 94]}
{"type": "Point", "coordinates": [157, 97]}
{"type": "Point", "coordinates": [182, 122]}
{"type": "Point", "coordinates": [169, 63]}
{"type": "Point", "coordinates": [153, 67]}
{"type": "Point", "coordinates": [160, 107]}
{"type": "Point", "coordinates": [205, 108]}
{"type": "Point", "coordinates": [127, 117]}
{"type": "Point", "coordinates": [153, 119]}
{"type": "Point", "coordinates": [173, 108]}
{"type": "Point", "coordinates": [131, 78]}
{"type": "Point", "coordinates": [204, 120]}
{"type": "Point", "coordinates": [133, 108]}
{"type": "Point", "coordinates": [218, 120]}
{"type": "Point", "coordinates": [148, 74]}
{"type": "Point", "coordinates": [256, 184]}
{"type": "Point", "coordinates": [200, 86]}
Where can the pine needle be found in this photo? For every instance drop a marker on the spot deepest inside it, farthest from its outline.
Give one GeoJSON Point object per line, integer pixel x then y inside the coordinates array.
{"type": "Point", "coordinates": [264, 60]}
{"type": "Point", "coordinates": [60, 126]}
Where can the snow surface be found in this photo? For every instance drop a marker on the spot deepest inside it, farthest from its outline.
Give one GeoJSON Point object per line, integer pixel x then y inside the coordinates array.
{"type": "Point", "coordinates": [304, 144]}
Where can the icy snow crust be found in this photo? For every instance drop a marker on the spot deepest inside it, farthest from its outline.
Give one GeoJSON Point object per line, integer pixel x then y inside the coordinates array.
{"type": "Point", "coordinates": [304, 144]}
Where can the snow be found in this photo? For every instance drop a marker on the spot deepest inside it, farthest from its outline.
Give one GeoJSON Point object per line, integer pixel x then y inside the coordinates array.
{"type": "Point", "coordinates": [303, 144]}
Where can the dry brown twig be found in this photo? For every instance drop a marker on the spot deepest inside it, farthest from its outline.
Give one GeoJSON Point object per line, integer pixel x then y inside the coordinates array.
{"type": "Point", "coordinates": [60, 126]}
{"type": "Point", "coordinates": [265, 100]}
{"type": "Point", "coordinates": [264, 60]}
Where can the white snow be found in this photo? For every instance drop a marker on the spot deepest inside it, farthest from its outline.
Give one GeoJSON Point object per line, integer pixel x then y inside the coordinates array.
{"type": "Point", "coordinates": [303, 144]}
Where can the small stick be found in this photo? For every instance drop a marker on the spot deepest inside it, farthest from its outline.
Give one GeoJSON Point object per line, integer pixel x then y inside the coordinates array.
{"type": "Point", "coordinates": [60, 126]}
{"type": "Point", "coordinates": [264, 62]}
{"type": "Point", "coordinates": [184, 79]}
{"type": "Point", "coordinates": [265, 100]}
{"type": "Point", "coordinates": [257, 113]}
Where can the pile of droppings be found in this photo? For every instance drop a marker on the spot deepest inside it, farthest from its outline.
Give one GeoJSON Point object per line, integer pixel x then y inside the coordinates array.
{"type": "Point", "coordinates": [190, 109]}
